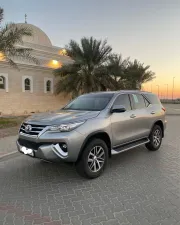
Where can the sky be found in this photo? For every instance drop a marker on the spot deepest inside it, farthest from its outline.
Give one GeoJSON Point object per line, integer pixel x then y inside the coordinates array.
{"type": "Point", "coordinates": [140, 29]}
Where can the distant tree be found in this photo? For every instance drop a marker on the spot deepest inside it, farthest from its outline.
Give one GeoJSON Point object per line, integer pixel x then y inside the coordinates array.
{"type": "Point", "coordinates": [10, 36]}
{"type": "Point", "coordinates": [89, 71]}
{"type": "Point", "coordinates": [136, 74]}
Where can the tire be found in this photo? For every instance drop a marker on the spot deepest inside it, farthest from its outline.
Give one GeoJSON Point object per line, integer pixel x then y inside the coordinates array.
{"type": "Point", "coordinates": [93, 159]}
{"type": "Point", "coordinates": [155, 138]}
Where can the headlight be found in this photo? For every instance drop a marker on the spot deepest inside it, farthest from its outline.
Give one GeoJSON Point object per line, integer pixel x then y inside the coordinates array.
{"type": "Point", "coordinates": [66, 127]}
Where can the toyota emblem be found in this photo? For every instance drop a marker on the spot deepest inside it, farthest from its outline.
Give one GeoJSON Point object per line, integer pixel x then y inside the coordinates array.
{"type": "Point", "coordinates": [28, 128]}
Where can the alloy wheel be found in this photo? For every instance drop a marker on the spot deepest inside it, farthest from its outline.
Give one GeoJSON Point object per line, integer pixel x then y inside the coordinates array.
{"type": "Point", "coordinates": [96, 158]}
{"type": "Point", "coordinates": [157, 138]}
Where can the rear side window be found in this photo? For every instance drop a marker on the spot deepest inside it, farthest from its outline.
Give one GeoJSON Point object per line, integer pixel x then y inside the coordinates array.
{"type": "Point", "coordinates": [138, 101]}
{"type": "Point", "coordinates": [153, 98]}
{"type": "Point", "coordinates": [124, 101]}
{"type": "Point", "coordinates": [146, 102]}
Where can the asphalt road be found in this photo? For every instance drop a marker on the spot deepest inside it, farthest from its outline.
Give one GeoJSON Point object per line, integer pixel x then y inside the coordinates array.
{"type": "Point", "coordinates": [138, 187]}
{"type": "Point", "coordinates": [172, 109]}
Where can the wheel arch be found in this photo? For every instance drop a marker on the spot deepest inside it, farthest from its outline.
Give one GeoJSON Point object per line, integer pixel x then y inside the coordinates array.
{"type": "Point", "coordinates": [100, 135]}
{"type": "Point", "coordinates": [160, 123]}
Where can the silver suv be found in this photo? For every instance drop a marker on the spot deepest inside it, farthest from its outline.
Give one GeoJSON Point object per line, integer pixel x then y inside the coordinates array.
{"type": "Point", "coordinates": [93, 127]}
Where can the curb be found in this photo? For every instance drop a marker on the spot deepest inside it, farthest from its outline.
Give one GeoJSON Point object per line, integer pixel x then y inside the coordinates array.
{"type": "Point", "coordinates": [171, 114]}
{"type": "Point", "coordinates": [9, 156]}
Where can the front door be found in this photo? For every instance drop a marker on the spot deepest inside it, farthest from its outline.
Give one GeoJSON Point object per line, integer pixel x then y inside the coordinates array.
{"type": "Point", "coordinates": [123, 124]}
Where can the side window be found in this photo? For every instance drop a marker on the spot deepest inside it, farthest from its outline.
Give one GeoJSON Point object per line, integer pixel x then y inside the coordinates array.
{"type": "Point", "coordinates": [27, 84]}
{"type": "Point", "coordinates": [153, 98]}
{"type": "Point", "coordinates": [138, 101]}
{"type": "Point", "coordinates": [146, 102]}
{"type": "Point", "coordinates": [48, 86]}
{"type": "Point", "coordinates": [123, 100]}
{"type": "Point", "coordinates": [2, 82]}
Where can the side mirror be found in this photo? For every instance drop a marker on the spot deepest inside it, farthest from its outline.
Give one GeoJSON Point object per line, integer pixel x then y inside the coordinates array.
{"type": "Point", "coordinates": [118, 109]}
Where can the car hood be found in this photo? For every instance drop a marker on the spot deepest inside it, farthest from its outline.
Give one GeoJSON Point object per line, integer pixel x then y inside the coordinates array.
{"type": "Point", "coordinates": [62, 116]}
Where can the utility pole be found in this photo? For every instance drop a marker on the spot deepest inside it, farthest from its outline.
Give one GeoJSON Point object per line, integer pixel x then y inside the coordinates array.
{"type": "Point", "coordinates": [167, 91]}
{"type": "Point", "coordinates": [158, 89]}
{"type": "Point", "coordinates": [173, 89]}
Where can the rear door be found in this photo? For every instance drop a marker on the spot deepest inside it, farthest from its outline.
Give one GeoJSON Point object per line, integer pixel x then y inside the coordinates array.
{"type": "Point", "coordinates": [142, 117]}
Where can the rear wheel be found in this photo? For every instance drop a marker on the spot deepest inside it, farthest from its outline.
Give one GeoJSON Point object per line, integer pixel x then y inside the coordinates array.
{"type": "Point", "coordinates": [93, 159]}
{"type": "Point", "coordinates": [155, 138]}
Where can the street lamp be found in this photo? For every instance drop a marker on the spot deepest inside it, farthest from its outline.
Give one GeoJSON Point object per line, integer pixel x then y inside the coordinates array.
{"type": "Point", "coordinates": [173, 89]}
{"type": "Point", "coordinates": [158, 89]}
{"type": "Point", "coordinates": [167, 91]}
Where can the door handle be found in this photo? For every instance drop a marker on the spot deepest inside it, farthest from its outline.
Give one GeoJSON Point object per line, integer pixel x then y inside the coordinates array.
{"type": "Point", "coordinates": [133, 116]}
{"type": "Point", "coordinates": [153, 112]}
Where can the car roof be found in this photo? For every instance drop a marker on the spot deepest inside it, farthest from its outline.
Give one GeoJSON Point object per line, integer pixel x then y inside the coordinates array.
{"type": "Point", "coordinates": [117, 92]}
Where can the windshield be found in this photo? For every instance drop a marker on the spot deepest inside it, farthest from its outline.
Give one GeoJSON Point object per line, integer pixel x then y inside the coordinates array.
{"type": "Point", "coordinates": [91, 102]}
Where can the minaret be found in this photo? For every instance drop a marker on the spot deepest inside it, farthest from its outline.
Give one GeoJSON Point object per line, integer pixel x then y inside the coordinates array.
{"type": "Point", "coordinates": [25, 18]}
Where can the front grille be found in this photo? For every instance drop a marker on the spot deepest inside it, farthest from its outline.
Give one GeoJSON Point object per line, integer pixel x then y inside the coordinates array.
{"type": "Point", "coordinates": [31, 129]}
{"type": "Point", "coordinates": [30, 144]}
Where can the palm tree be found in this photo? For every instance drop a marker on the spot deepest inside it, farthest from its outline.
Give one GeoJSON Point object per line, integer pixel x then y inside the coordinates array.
{"type": "Point", "coordinates": [136, 74]}
{"type": "Point", "coordinates": [89, 71]}
{"type": "Point", "coordinates": [116, 66]}
{"type": "Point", "coordinates": [10, 37]}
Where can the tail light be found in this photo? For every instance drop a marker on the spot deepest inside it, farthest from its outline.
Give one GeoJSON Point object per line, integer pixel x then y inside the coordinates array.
{"type": "Point", "coordinates": [163, 109]}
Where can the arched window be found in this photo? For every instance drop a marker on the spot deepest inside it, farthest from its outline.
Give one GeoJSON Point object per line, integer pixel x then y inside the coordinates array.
{"type": "Point", "coordinates": [2, 82]}
{"type": "Point", "coordinates": [48, 86]}
{"type": "Point", "coordinates": [27, 84]}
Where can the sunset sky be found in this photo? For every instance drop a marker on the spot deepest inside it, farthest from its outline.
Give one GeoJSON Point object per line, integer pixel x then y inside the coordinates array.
{"type": "Point", "coordinates": [146, 30]}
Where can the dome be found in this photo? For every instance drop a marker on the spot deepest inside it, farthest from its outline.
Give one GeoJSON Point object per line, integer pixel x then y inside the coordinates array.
{"type": "Point", "coordinates": [38, 37]}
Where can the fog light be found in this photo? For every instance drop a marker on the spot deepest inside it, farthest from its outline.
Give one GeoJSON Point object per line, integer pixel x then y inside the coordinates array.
{"type": "Point", "coordinates": [64, 146]}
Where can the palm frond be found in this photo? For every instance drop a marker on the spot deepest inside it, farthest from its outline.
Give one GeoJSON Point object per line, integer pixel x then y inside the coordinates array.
{"type": "Point", "coordinates": [137, 74]}
{"type": "Point", "coordinates": [11, 36]}
{"type": "Point", "coordinates": [23, 54]}
{"type": "Point", "coordinates": [12, 63]}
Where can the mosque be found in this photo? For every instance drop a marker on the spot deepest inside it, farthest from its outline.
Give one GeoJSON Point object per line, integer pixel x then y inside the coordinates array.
{"type": "Point", "coordinates": [31, 88]}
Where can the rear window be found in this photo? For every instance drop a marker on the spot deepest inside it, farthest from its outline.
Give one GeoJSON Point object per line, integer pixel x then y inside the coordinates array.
{"type": "Point", "coordinates": [153, 98]}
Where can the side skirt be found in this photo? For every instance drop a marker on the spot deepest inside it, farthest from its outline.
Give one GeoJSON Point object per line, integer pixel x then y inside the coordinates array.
{"type": "Point", "coordinates": [128, 146]}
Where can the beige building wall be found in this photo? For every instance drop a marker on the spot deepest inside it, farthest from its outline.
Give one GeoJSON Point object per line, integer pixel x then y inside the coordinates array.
{"type": "Point", "coordinates": [15, 101]}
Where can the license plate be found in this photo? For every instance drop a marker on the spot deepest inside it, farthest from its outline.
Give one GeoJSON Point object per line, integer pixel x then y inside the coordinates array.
{"type": "Point", "coordinates": [27, 151]}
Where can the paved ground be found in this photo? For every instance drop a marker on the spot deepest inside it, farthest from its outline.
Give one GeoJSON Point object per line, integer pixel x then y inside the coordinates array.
{"type": "Point", "coordinates": [172, 109]}
{"type": "Point", "coordinates": [7, 145]}
{"type": "Point", "coordinates": [138, 187]}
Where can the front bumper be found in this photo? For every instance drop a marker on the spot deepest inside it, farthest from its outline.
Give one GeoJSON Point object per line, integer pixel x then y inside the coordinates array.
{"type": "Point", "coordinates": [50, 152]}
{"type": "Point", "coordinates": [48, 147]}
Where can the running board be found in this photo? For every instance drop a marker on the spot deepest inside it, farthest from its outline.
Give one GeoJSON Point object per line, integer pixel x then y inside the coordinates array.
{"type": "Point", "coordinates": [129, 146]}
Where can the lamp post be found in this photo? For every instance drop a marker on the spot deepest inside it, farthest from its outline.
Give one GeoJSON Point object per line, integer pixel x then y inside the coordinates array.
{"type": "Point", "coordinates": [167, 91]}
{"type": "Point", "coordinates": [173, 89]}
{"type": "Point", "coordinates": [158, 89]}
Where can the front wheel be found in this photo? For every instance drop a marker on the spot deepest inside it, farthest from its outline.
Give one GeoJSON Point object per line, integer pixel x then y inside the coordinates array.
{"type": "Point", "coordinates": [93, 159]}
{"type": "Point", "coordinates": [155, 139]}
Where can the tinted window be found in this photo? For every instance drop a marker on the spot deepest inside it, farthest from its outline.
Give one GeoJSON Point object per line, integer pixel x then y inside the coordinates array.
{"type": "Point", "coordinates": [91, 102]}
{"type": "Point", "coordinates": [123, 100]}
{"type": "Point", "coordinates": [152, 98]}
{"type": "Point", "coordinates": [138, 101]}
